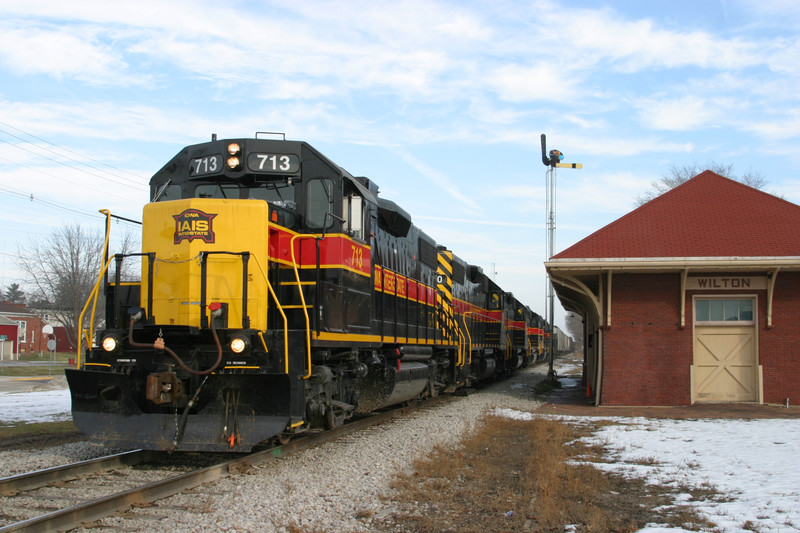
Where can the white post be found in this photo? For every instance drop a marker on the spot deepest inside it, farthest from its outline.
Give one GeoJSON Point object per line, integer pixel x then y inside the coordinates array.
{"type": "Point", "coordinates": [551, 229]}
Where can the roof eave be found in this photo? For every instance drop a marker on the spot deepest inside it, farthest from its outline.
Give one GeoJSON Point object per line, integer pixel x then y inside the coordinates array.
{"type": "Point", "coordinates": [674, 263]}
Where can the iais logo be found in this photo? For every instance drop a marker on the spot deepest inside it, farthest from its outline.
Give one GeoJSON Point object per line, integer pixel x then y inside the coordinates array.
{"type": "Point", "coordinates": [194, 224]}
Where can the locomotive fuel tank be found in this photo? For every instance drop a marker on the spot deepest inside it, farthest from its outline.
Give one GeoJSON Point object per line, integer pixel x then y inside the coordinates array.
{"type": "Point", "coordinates": [486, 366]}
{"type": "Point", "coordinates": [389, 385]}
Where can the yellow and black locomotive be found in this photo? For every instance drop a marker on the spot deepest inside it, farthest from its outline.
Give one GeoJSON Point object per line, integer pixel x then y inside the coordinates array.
{"type": "Point", "coordinates": [280, 294]}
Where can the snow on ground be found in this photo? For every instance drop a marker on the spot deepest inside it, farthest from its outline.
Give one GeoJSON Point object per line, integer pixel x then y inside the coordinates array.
{"type": "Point", "coordinates": [756, 463]}
{"type": "Point", "coordinates": [38, 406]}
{"type": "Point", "coordinates": [752, 463]}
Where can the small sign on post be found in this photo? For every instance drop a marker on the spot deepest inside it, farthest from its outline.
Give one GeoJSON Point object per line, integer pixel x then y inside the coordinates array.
{"type": "Point", "coordinates": [46, 330]}
{"type": "Point", "coordinates": [51, 343]}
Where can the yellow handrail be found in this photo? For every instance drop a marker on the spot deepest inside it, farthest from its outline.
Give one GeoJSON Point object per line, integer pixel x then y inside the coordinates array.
{"type": "Point", "coordinates": [107, 213]}
{"type": "Point", "coordinates": [91, 299]}
{"type": "Point", "coordinates": [283, 315]}
{"type": "Point", "coordinates": [103, 269]}
{"type": "Point", "coordinates": [303, 298]}
{"type": "Point", "coordinates": [469, 335]}
{"type": "Point", "coordinates": [461, 357]}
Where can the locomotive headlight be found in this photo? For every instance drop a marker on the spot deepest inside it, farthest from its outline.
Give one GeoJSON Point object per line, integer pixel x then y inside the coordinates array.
{"type": "Point", "coordinates": [239, 344]}
{"type": "Point", "coordinates": [110, 343]}
{"type": "Point", "coordinates": [234, 162]}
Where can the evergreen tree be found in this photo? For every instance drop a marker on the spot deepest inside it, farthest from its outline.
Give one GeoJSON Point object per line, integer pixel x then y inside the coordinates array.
{"type": "Point", "coordinates": [13, 294]}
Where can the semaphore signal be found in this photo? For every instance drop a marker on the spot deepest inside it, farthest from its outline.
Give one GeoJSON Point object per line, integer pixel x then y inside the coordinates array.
{"type": "Point", "coordinates": [552, 159]}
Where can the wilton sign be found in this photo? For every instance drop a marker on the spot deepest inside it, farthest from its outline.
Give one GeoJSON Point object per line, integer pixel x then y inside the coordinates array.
{"type": "Point", "coordinates": [726, 283]}
{"type": "Point", "coordinates": [194, 224]}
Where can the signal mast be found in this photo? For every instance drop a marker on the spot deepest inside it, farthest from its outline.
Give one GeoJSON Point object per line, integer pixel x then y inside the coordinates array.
{"type": "Point", "coordinates": [552, 160]}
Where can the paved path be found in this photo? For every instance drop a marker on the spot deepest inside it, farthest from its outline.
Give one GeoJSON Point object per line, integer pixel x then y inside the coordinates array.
{"type": "Point", "coordinates": [22, 384]}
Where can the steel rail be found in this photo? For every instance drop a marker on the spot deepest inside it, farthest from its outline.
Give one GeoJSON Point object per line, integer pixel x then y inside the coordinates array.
{"type": "Point", "coordinates": [12, 485]}
{"type": "Point", "coordinates": [99, 508]}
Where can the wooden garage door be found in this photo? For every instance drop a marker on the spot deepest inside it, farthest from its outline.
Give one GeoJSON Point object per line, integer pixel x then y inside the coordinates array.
{"type": "Point", "coordinates": [725, 355]}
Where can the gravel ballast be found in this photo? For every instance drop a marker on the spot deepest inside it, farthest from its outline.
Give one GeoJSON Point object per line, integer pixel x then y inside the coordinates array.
{"type": "Point", "coordinates": [336, 486]}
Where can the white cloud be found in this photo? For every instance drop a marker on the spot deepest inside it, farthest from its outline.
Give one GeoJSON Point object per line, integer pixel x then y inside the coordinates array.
{"type": "Point", "coordinates": [615, 145]}
{"type": "Point", "coordinates": [104, 120]}
{"type": "Point", "coordinates": [439, 179]}
{"type": "Point", "coordinates": [542, 81]}
{"type": "Point", "coordinates": [631, 45]}
{"type": "Point", "coordinates": [61, 52]}
{"type": "Point", "coordinates": [784, 58]}
{"type": "Point", "coordinates": [680, 114]}
{"type": "Point", "coordinates": [784, 124]}
{"type": "Point", "coordinates": [611, 192]}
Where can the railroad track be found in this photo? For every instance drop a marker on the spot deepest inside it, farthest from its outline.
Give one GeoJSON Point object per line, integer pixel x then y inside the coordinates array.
{"type": "Point", "coordinates": [89, 510]}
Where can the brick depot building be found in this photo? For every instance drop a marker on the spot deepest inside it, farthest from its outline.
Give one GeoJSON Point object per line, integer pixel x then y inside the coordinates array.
{"type": "Point", "coordinates": [693, 297]}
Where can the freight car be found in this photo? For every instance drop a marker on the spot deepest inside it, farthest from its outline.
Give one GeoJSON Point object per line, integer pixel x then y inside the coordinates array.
{"type": "Point", "coordinates": [563, 343]}
{"type": "Point", "coordinates": [280, 294]}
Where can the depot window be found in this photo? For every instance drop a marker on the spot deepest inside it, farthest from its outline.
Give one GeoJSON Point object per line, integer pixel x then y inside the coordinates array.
{"type": "Point", "coordinates": [724, 310]}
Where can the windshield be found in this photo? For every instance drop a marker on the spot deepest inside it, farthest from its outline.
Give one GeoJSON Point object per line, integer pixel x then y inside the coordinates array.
{"type": "Point", "coordinates": [217, 190]}
{"type": "Point", "coordinates": [277, 193]}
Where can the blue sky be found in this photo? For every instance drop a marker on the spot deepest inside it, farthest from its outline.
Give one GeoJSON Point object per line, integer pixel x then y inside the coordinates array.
{"type": "Point", "coordinates": [439, 102]}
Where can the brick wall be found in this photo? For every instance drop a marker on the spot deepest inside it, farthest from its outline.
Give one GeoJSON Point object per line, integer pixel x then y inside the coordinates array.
{"type": "Point", "coordinates": [779, 346]}
{"type": "Point", "coordinates": [647, 356]}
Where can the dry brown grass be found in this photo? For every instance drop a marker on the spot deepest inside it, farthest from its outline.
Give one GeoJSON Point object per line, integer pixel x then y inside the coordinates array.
{"type": "Point", "coordinates": [511, 475]}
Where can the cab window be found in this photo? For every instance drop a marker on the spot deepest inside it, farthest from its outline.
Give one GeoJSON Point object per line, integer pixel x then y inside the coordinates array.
{"type": "Point", "coordinates": [353, 215]}
{"type": "Point", "coordinates": [319, 203]}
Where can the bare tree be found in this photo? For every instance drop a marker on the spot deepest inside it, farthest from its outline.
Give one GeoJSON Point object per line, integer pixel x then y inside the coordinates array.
{"type": "Point", "coordinates": [63, 268]}
{"type": "Point", "coordinates": [678, 175]}
{"type": "Point", "coordinates": [574, 324]}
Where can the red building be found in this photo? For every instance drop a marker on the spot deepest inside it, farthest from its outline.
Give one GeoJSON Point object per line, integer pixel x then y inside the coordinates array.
{"type": "Point", "coordinates": [28, 336]}
{"type": "Point", "coordinates": [8, 338]}
{"type": "Point", "coordinates": [693, 297]}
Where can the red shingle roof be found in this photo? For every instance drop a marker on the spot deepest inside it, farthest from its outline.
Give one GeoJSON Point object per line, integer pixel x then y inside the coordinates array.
{"type": "Point", "coordinates": [707, 216]}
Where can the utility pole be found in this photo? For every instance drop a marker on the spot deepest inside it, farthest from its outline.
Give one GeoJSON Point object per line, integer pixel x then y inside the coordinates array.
{"type": "Point", "coordinates": [552, 160]}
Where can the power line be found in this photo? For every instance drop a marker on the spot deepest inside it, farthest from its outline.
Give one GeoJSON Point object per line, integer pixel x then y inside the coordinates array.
{"type": "Point", "coordinates": [82, 156]}
{"type": "Point", "coordinates": [105, 192]}
{"type": "Point", "coordinates": [18, 147]}
{"type": "Point", "coordinates": [71, 162]}
{"type": "Point", "coordinates": [50, 203]}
